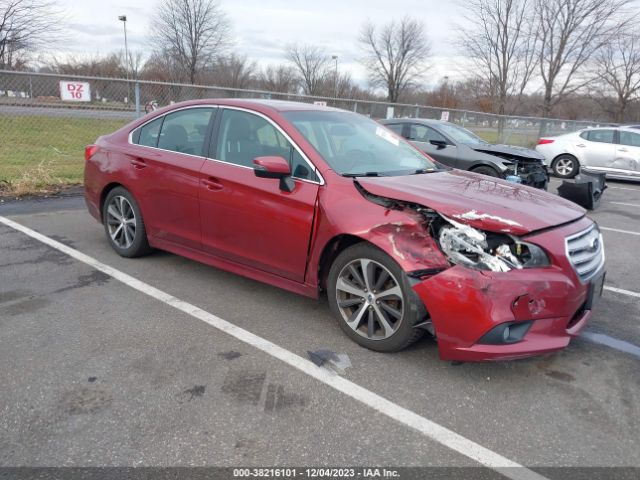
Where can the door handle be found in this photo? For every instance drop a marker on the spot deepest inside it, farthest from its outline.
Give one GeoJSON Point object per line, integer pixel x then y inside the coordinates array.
{"type": "Point", "coordinates": [581, 145]}
{"type": "Point", "coordinates": [623, 150]}
{"type": "Point", "coordinates": [212, 184]}
{"type": "Point", "coordinates": [138, 163]}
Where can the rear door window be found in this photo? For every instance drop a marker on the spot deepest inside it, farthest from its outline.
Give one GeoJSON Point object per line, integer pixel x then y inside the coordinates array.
{"type": "Point", "coordinates": [185, 131]}
{"type": "Point", "coordinates": [396, 128]}
{"type": "Point", "coordinates": [149, 133]}
{"type": "Point", "coordinates": [600, 136]}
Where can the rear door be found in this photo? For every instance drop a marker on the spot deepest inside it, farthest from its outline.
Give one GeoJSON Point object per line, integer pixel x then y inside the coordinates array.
{"type": "Point", "coordinates": [247, 219]}
{"type": "Point", "coordinates": [597, 147]}
{"type": "Point", "coordinates": [627, 159]}
{"type": "Point", "coordinates": [169, 154]}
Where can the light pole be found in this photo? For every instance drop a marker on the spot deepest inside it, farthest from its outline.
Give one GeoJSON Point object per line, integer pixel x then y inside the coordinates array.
{"type": "Point", "coordinates": [446, 91]}
{"type": "Point", "coordinates": [335, 77]}
{"type": "Point", "coordinates": [123, 19]}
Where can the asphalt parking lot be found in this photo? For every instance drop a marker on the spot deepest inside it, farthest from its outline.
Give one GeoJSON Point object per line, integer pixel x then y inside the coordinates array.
{"type": "Point", "coordinates": [97, 373]}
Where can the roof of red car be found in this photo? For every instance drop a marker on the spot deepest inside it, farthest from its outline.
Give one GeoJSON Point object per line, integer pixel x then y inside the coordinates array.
{"type": "Point", "coordinates": [260, 103]}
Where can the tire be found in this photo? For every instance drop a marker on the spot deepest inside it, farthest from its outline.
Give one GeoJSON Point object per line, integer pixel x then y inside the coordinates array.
{"type": "Point", "coordinates": [128, 238]}
{"type": "Point", "coordinates": [401, 310]}
{"type": "Point", "coordinates": [565, 166]}
{"type": "Point", "coordinates": [486, 170]}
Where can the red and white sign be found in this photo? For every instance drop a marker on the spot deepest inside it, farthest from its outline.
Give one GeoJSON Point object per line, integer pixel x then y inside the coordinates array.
{"type": "Point", "coordinates": [75, 91]}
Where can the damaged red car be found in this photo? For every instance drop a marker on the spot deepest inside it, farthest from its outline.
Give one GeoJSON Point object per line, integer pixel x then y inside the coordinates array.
{"type": "Point", "coordinates": [314, 199]}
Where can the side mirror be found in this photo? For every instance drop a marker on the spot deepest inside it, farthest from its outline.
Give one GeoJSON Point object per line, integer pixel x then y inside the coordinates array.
{"type": "Point", "coordinates": [438, 143]}
{"type": "Point", "coordinates": [274, 167]}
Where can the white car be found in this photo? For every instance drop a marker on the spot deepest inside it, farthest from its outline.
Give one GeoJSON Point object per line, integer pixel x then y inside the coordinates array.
{"type": "Point", "coordinates": [612, 150]}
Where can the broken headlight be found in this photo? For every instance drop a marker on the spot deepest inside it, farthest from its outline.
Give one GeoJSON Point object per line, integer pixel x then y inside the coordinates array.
{"type": "Point", "coordinates": [468, 246]}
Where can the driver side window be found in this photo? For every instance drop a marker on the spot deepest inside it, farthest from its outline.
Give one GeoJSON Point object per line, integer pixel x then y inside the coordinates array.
{"type": "Point", "coordinates": [244, 136]}
{"type": "Point", "coordinates": [422, 133]}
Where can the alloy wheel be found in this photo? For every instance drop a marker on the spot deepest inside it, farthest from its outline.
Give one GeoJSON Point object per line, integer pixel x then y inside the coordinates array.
{"type": "Point", "coordinates": [369, 299]}
{"type": "Point", "coordinates": [121, 222]}
{"type": "Point", "coordinates": [564, 166]}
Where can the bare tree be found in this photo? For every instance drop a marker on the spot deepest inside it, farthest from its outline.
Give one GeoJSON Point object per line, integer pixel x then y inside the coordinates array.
{"type": "Point", "coordinates": [194, 32]}
{"type": "Point", "coordinates": [396, 54]}
{"type": "Point", "coordinates": [232, 71]}
{"type": "Point", "coordinates": [569, 33]}
{"type": "Point", "coordinates": [26, 26]}
{"type": "Point", "coordinates": [312, 65]}
{"type": "Point", "coordinates": [618, 73]}
{"type": "Point", "coordinates": [281, 78]}
{"type": "Point", "coordinates": [499, 41]}
{"type": "Point", "coordinates": [137, 60]}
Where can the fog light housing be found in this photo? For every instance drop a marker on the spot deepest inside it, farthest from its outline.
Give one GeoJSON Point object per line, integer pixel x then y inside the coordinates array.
{"type": "Point", "coordinates": [506, 333]}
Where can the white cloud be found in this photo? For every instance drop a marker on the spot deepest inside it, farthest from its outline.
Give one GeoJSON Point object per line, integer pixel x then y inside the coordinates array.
{"type": "Point", "coordinates": [262, 28]}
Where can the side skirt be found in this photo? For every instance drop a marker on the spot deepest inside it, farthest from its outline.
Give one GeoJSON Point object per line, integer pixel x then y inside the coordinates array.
{"type": "Point", "coordinates": [237, 268]}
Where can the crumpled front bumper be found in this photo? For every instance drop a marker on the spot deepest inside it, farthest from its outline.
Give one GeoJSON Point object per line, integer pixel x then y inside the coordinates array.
{"type": "Point", "coordinates": [466, 304]}
{"type": "Point", "coordinates": [533, 175]}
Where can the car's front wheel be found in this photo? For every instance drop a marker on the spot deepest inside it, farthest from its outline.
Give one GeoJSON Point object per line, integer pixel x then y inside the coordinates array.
{"type": "Point", "coordinates": [372, 299]}
{"type": "Point", "coordinates": [565, 166]}
{"type": "Point", "coordinates": [124, 225]}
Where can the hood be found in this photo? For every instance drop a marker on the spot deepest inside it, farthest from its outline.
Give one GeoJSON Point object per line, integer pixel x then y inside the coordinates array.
{"type": "Point", "coordinates": [482, 202]}
{"type": "Point", "coordinates": [508, 151]}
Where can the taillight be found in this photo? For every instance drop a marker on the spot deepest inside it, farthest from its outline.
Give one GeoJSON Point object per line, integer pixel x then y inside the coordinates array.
{"type": "Point", "coordinates": [89, 151]}
{"type": "Point", "coordinates": [544, 141]}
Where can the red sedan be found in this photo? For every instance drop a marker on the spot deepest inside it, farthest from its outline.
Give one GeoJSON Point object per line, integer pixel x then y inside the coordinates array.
{"type": "Point", "coordinates": [315, 199]}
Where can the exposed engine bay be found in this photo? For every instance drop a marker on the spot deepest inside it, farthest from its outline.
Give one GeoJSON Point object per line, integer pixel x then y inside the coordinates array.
{"type": "Point", "coordinates": [521, 166]}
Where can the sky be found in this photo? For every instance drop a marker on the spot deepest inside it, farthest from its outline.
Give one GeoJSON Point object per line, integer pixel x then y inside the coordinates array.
{"type": "Point", "coordinates": [263, 28]}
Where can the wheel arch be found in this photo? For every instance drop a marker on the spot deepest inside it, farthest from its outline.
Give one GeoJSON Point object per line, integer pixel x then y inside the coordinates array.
{"type": "Point", "coordinates": [483, 163]}
{"type": "Point", "coordinates": [330, 251]}
{"type": "Point", "coordinates": [105, 191]}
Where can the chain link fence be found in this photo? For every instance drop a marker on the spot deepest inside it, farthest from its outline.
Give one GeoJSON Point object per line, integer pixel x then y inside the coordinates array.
{"type": "Point", "coordinates": [42, 136]}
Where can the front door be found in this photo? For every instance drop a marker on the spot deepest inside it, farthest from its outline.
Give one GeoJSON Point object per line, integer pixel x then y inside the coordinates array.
{"type": "Point", "coordinates": [421, 136]}
{"type": "Point", "coordinates": [627, 159]}
{"type": "Point", "coordinates": [248, 219]}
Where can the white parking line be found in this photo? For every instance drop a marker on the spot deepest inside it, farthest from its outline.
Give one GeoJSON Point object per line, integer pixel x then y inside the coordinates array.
{"type": "Point", "coordinates": [427, 427]}
{"type": "Point", "coordinates": [622, 291]}
{"type": "Point", "coordinates": [629, 232]}
{"type": "Point", "coordinates": [624, 188]}
{"type": "Point", "coordinates": [626, 204]}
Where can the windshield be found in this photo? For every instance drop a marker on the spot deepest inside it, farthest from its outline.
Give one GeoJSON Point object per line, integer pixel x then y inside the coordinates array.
{"type": "Point", "coordinates": [460, 135]}
{"type": "Point", "coordinates": [354, 145]}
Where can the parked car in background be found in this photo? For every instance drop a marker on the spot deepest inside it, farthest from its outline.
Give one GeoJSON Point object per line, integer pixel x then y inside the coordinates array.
{"type": "Point", "coordinates": [614, 151]}
{"type": "Point", "coordinates": [457, 147]}
{"type": "Point", "coordinates": [314, 199]}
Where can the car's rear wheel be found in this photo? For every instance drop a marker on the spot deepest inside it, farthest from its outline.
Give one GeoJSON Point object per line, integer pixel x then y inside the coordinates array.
{"type": "Point", "coordinates": [565, 166]}
{"type": "Point", "coordinates": [123, 224]}
{"type": "Point", "coordinates": [486, 170]}
{"type": "Point", "coordinates": [372, 299]}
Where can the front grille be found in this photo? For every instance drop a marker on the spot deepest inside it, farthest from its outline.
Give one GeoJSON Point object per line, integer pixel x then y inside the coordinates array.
{"type": "Point", "coordinates": [586, 252]}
